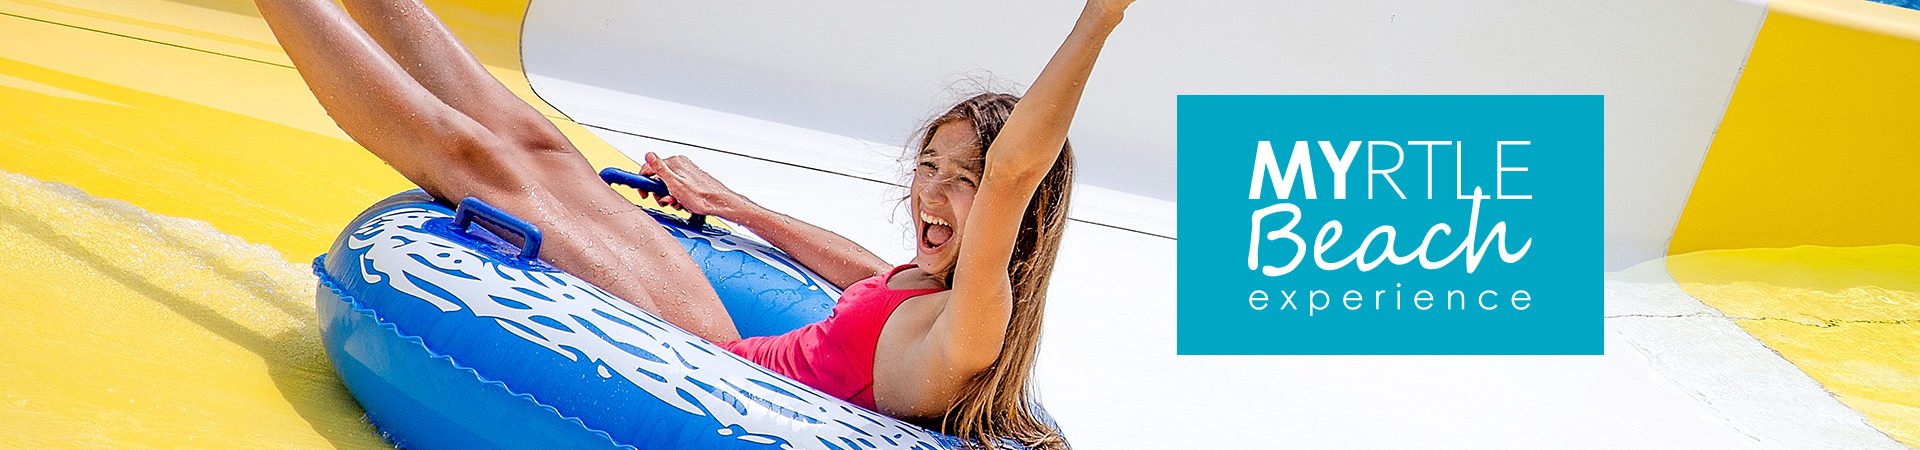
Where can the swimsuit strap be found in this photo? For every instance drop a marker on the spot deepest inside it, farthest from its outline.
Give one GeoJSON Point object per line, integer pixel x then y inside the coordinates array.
{"type": "Point", "coordinates": [888, 278]}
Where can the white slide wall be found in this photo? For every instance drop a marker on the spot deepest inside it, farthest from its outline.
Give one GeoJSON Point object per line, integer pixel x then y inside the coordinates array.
{"type": "Point", "coordinates": [866, 73]}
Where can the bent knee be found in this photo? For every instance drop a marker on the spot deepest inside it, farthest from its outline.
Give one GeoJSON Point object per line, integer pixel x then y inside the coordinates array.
{"type": "Point", "coordinates": [535, 135]}
{"type": "Point", "coordinates": [474, 163]}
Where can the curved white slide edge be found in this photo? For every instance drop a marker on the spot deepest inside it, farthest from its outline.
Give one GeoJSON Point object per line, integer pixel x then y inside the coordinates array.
{"type": "Point", "coordinates": [609, 110]}
{"type": "Point", "coordinates": [1704, 354]}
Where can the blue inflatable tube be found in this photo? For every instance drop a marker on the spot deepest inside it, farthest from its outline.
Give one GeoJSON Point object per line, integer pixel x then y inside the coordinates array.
{"type": "Point", "coordinates": [453, 337]}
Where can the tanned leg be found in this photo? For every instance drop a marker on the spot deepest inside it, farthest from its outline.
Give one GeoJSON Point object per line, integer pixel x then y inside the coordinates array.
{"type": "Point", "coordinates": [414, 97]}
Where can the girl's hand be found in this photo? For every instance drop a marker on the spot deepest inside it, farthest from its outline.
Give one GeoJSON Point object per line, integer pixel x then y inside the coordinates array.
{"type": "Point", "coordinates": [693, 189]}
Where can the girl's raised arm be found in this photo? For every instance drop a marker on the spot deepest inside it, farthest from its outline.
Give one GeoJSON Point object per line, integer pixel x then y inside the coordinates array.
{"type": "Point", "coordinates": [1016, 162]}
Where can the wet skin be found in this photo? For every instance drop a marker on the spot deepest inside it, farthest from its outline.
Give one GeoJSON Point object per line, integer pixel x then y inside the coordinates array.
{"type": "Point", "coordinates": [408, 92]}
{"type": "Point", "coordinates": [447, 125]}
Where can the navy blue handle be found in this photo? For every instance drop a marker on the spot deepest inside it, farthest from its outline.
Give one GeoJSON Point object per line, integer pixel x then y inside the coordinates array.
{"type": "Point", "coordinates": [472, 208]}
{"type": "Point", "coordinates": [613, 175]}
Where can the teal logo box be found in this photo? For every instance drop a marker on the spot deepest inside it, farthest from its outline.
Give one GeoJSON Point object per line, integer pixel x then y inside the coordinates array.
{"type": "Point", "coordinates": [1390, 225]}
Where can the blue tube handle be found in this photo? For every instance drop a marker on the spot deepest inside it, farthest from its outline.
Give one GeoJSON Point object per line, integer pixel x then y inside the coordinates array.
{"type": "Point", "coordinates": [647, 184]}
{"type": "Point", "coordinates": [472, 208]}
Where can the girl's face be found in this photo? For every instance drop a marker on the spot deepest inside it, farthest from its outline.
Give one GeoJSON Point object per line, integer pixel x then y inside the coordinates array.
{"type": "Point", "coordinates": [945, 177]}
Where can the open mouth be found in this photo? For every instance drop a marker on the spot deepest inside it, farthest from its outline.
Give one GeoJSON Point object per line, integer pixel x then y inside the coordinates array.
{"type": "Point", "coordinates": [934, 232]}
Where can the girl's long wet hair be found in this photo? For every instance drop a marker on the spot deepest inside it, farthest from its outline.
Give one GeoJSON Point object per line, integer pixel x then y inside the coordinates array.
{"type": "Point", "coordinates": [998, 405]}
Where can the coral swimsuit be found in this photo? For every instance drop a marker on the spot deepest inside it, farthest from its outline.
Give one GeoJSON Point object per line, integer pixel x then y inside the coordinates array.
{"type": "Point", "coordinates": [835, 355]}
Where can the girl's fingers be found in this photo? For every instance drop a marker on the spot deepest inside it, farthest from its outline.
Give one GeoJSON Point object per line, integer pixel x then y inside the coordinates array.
{"type": "Point", "coordinates": [652, 164]}
{"type": "Point", "coordinates": [662, 170]}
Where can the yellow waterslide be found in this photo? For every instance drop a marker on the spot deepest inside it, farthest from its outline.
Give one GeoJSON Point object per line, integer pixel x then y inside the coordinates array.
{"type": "Point", "coordinates": [1803, 225]}
{"type": "Point", "coordinates": [165, 302]}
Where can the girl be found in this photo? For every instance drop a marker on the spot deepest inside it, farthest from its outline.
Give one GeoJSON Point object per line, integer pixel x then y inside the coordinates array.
{"type": "Point", "coordinates": [949, 337]}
